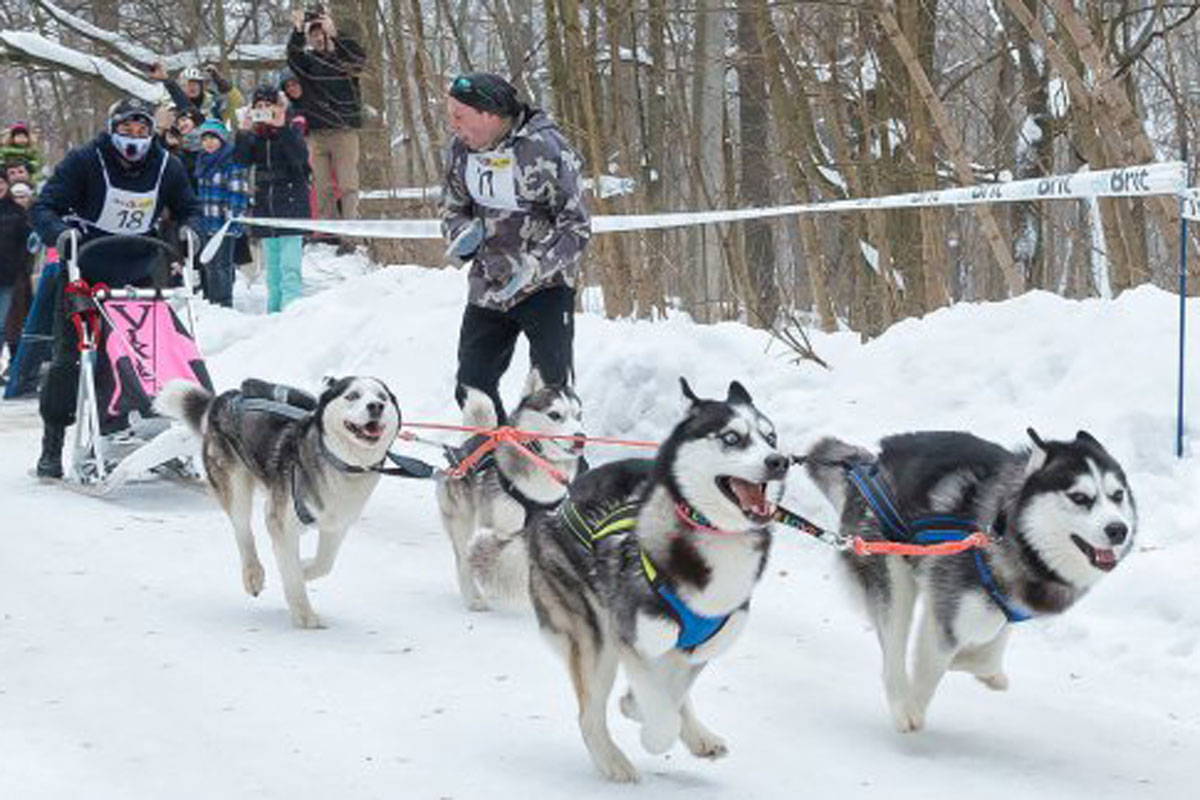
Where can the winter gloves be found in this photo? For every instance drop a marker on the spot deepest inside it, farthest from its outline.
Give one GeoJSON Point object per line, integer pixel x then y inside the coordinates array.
{"type": "Point", "coordinates": [468, 241]}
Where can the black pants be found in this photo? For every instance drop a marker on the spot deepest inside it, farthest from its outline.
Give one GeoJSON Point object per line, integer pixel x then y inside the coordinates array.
{"type": "Point", "coordinates": [488, 338]}
{"type": "Point", "coordinates": [58, 394]}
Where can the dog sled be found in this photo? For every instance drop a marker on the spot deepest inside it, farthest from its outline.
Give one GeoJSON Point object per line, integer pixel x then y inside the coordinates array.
{"type": "Point", "coordinates": [131, 341]}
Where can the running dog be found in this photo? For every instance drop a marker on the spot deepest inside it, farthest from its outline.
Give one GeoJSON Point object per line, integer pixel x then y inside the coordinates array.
{"type": "Point", "coordinates": [1060, 516]}
{"type": "Point", "coordinates": [485, 511]}
{"type": "Point", "coordinates": [317, 465]}
{"type": "Point", "coordinates": [650, 564]}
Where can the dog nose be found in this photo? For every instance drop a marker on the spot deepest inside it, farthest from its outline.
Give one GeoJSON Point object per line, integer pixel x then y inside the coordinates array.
{"type": "Point", "coordinates": [777, 464]}
{"type": "Point", "coordinates": [1116, 532]}
{"type": "Point", "coordinates": [375, 409]}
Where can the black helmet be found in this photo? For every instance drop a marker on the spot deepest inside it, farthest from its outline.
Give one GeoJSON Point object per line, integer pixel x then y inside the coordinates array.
{"type": "Point", "coordinates": [130, 108]}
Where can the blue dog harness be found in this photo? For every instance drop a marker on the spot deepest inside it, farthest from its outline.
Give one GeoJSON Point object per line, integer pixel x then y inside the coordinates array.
{"type": "Point", "coordinates": [930, 529]}
{"type": "Point", "coordinates": [694, 629]}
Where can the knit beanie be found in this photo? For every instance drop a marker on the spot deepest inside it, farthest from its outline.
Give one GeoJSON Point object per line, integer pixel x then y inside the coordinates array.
{"type": "Point", "coordinates": [485, 91]}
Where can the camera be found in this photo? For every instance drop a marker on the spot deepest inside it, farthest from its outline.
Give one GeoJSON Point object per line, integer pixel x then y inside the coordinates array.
{"type": "Point", "coordinates": [261, 114]}
{"type": "Point", "coordinates": [313, 12]}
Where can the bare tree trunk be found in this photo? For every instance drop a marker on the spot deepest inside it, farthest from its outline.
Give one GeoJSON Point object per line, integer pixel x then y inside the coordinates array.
{"type": "Point", "coordinates": [953, 143]}
{"type": "Point", "coordinates": [708, 106]}
{"type": "Point", "coordinates": [762, 298]}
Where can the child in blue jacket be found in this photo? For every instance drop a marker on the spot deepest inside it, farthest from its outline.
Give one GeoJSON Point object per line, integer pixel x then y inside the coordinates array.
{"type": "Point", "coordinates": [223, 191]}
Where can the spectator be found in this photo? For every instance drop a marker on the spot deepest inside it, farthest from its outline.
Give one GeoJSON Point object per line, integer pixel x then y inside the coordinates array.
{"type": "Point", "coordinates": [327, 67]}
{"type": "Point", "coordinates": [511, 206]}
{"type": "Point", "coordinates": [18, 146]}
{"type": "Point", "coordinates": [281, 178]}
{"type": "Point", "coordinates": [221, 102]}
{"type": "Point", "coordinates": [15, 259]}
{"type": "Point", "coordinates": [182, 139]}
{"type": "Point", "coordinates": [119, 183]}
{"type": "Point", "coordinates": [17, 171]}
{"type": "Point", "coordinates": [223, 192]}
{"type": "Point", "coordinates": [289, 84]}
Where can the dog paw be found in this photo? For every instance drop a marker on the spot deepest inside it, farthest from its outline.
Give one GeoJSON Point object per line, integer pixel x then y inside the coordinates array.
{"type": "Point", "coordinates": [705, 744]}
{"type": "Point", "coordinates": [252, 579]}
{"type": "Point", "coordinates": [660, 737]}
{"type": "Point", "coordinates": [312, 570]}
{"type": "Point", "coordinates": [997, 682]}
{"type": "Point", "coordinates": [629, 707]}
{"type": "Point", "coordinates": [907, 719]}
{"type": "Point", "coordinates": [617, 768]}
{"type": "Point", "coordinates": [307, 619]}
{"type": "Point", "coordinates": [476, 604]}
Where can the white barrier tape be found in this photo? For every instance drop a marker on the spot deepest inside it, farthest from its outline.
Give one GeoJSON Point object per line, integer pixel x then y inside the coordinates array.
{"type": "Point", "coordinates": [1168, 178]}
{"type": "Point", "coordinates": [364, 228]}
{"type": "Point", "coordinates": [1189, 206]}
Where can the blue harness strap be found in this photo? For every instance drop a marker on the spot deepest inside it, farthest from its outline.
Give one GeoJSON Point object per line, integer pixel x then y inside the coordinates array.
{"type": "Point", "coordinates": [1011, 612]}
{"type": "Point", "coordinates": [694, 629]}
{"type": "Point", "coordinates": [930, 529]}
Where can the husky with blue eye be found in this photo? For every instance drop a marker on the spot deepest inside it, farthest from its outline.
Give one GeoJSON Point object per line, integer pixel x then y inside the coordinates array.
{"type": "Point", "coordinates": [1060, 516]}
{"type": "Point", "coordinates": [649, 564]}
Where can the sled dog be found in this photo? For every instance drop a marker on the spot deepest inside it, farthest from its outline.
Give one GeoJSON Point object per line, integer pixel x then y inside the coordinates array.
{"type": "Point", "coordinates": [316, 464]}
{"type": "Point", "coordinates": [1060, 516]}
{"type": "Point", "coordinates": [485, 512]}
{"type": "Point", "coordinates": [650, 564]}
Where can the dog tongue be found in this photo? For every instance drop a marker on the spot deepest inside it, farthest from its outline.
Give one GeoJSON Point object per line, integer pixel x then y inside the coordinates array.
{"type": "Point", "coordinates": [1105, 559]}
{"type": "Point", "coordinates": [751, 496]}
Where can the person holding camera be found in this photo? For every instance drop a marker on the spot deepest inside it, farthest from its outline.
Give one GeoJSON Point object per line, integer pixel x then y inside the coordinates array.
{"type": "Point", "coordinates": [327, 65]}
{"type": "Point", "coordinates": [512, 207]}
{"type": "Point", "coordinates": [118, 184]}
{"type": "Point", "coordinates": [276, 150]}
{"type": "Point", "coordinates": [222, 102]}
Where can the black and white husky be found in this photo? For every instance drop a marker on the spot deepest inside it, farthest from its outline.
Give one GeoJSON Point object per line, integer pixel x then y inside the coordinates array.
{"type": "Point", "coordinates": [317, 466]}
{"type": "Point", "coordinates": [1060, 516]}
{"type": "Point", "coordinates": [485, 511]}
{"type": "Point", "coordinates": [650, 564]}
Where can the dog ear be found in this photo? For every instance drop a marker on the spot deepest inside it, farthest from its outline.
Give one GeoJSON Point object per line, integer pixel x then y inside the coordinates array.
{"type": "Point", "coordinates": [687, 391]}
{"type": "Point", "coordinates": [1086, 438]}
{"type": "Point", "coordinates": [1037, 456]}
{"type": "Point", "coordinates": [738, 396]}
{"type": "Point", "coordinates": [328, 382]}
{"type": "Point", "coordinates": [534, 382]}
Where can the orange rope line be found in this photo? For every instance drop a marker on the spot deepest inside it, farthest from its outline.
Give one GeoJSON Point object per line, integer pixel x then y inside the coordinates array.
{"type": "Point", "coordinates": [870, 547]}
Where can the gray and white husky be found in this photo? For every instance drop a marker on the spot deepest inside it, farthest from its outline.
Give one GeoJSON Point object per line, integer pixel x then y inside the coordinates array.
{"type": "Point", "coordinates": [650, 564]}
{"type": "Point", "coordinates": [317, 467]}
{"type": "Point", "coordinates": [485, 512]}
{"type": "Point", "coordinates": [1060, 516]}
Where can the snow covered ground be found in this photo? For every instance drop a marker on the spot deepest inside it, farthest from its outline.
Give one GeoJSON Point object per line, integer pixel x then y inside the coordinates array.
{"type": "Point", "coordinates": [133, 666]}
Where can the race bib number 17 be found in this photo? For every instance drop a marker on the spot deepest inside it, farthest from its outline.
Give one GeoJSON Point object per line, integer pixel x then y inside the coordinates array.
{"type": "Point", "coordinates": [492, 179]}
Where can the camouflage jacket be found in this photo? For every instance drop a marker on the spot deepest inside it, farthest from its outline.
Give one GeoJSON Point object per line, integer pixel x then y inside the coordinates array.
{"type": "Point", "coordinates": [527, 190]}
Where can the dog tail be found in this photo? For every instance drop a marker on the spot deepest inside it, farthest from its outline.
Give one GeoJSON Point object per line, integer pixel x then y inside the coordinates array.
{"type": "Point", "coordinates": [825, 463]}
{"type": "Point", "coordinates": [478, 409]}
{"type": "Point", "coordinates": [185, 401]}
{"type": "Point", "coordinates": [501, 565]}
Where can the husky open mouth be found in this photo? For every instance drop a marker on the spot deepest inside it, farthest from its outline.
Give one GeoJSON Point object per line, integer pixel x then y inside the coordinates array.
{"type": "Point", "coordinates": [368, 432]}
{"type": "Point", "coordinates": [1102, 558]}
{"type": "Point", "coordinates": [751, 498]}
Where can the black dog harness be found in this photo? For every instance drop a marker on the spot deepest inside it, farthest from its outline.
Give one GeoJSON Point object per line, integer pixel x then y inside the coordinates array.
{"type": "Point", "coordinates": [457, 455]}
{"type": "Point", "coordinates": [293, 404]}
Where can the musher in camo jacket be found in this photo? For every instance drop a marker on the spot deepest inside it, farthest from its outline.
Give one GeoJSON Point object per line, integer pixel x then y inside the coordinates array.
{"type": "Point", "coordinates": [512, 206]}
